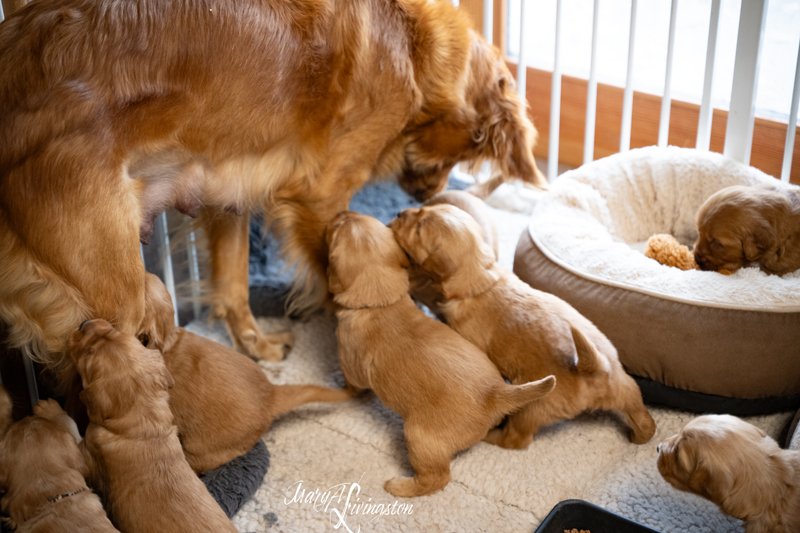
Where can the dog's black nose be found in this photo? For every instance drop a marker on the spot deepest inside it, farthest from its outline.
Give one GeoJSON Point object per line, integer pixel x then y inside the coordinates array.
{"type": "Point", "coordinates": [84, 323]}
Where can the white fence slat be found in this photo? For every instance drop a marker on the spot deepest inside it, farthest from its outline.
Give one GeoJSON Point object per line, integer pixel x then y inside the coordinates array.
{"type": "Point", "coordinates": [488, 20]}
{"type": "Point", "coordinates": [555, 102]}
{"type": "Point", "coordinates": [791, 127]}
{"type": "Point", "coordinates": [591, 94]}
{"type": "Point", "coordinates": [666, 100]}
{"type": "Point", "coordinates": [706, 107]}
{"type": "Point", "coordinates": [627, 100]}
{"type": "Point", "coordinates": [739, 133]}
{"type": "Point", "coordinates": [522, 66]}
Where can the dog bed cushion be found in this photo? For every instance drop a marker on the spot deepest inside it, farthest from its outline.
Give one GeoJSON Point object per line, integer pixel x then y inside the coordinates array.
{"type": "Point", "coordinates": [695, 339]}
{"type": "Point", "coordinates": [235, 482]}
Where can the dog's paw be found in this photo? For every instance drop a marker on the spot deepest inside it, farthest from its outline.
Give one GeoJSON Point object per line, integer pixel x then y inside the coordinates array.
{"type": "Point", "coordinates": [273, 347]}
{"type": "Point", "coordinates": [401, 487]}
{"type": "Point", "coordinates": [48, 409]}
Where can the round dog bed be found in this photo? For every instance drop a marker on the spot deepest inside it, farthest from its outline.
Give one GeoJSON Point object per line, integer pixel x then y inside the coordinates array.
{"type": "Point", "coordinates": [694, 340]}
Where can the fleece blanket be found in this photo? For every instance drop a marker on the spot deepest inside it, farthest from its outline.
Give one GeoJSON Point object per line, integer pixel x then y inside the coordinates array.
{"type": "Point", "coordinates": [329, 462]}
{"type": "Point", "coordinates": [597, 218]}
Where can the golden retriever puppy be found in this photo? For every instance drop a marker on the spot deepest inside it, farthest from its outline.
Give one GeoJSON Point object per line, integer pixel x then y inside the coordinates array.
{"type": "Point", "coordinates": [738, 467]}
{"type": "Point", "coordinates": [423, 287]}
{"type": "Point", "coordinates": [447, 391]}
{"type": "Point", "coordinates": [528, 334]}
{"type": "Point", "coordinates": [42, 473]}
{"type": "Point", "coordinates": [220, 109]}
{"type": "Point", "coordinates": [221, 400]}
{"type": "Point", "coordinates": [739, 225]}
{"type": "Point", "coordinates": [131, 445]}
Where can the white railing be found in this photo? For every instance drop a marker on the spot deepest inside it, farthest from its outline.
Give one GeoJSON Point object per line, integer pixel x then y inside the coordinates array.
{"type": "Point", "coordinates": [741, 117]}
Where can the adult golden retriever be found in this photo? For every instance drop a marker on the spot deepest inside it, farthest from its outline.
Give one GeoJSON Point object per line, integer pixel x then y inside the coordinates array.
{"type": "Point", "coordinates": [132, 450]}
{"type": "Point", "coordinates": [527, 334]}
{"type": "Point", "coordinates": [739, 225]}
{"type": "Point", "coordinates": [42, 473]}
{"type": "Point", "coordinates": [737, 466]}
{"type": "Point", "coordinates": [112, 111]}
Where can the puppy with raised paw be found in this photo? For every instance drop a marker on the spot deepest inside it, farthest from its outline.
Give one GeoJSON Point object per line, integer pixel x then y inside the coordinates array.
{"type": "Point", "coordinates": [738, 467]}
{"type": "Point", "coordinates": [447, 391]}
{"type": "Point", "coordinates": [738, 226]}
{"type": "Point", "coordinates": [131, 445]}
{"type": "Point", "coordinates": [42, 473]}
{"type": "Point", "coordinates": [528, 334]}
{"type": "Point", "coordinates": [221, 400]}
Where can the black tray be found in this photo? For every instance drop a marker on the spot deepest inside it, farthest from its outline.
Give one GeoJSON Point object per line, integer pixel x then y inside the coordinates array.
{"type": "Point", "coordinates": [579, 514]}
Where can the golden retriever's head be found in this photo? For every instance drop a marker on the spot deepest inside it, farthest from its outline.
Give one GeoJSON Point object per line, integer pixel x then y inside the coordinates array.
{"type": "Point", "coordinates": [120, 376]}
{"type": "Point", "coordinates": [726, 460]}
{"type": "Point", "coordinates": [448, 244]}
{"type": "Point", "coordinates": [366, 266]}
{"type": "Point", "coordinates": [741, 225]}
{"type": "Point", "coordinates": [157, 329]}
{"type": "Point", "coordinates": [481, 117]}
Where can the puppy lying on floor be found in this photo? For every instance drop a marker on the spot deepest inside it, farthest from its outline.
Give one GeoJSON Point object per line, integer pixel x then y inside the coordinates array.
{"type": "Point", "coordinates": [738, 467]}
{"type": "Point", "coordinates": [221, 400]}
{"type": "Point", "coordinates": [527, 333]}
{"type": "Point", "coordinates": [742, 225]}
{"type": "Point", "coordinates": [131, 446]}
{"type": "Point", "coordinates": [446, 390]}
{"type": "Point", "coordinates": [42, 473]}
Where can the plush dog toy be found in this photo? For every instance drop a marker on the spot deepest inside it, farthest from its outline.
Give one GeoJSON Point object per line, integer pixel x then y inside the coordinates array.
{"type": "Point", "coordinates": [668, 251]}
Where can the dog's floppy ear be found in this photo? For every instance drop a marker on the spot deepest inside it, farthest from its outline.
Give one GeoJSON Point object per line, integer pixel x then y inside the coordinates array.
{"type": "Point", "coordinates": [334, 283]}
{"type": "Point", "coordinates": [758, 240]}
{"type": "Point", "coordinates": [96, 400]}
{"type": "Point", "coordinates": [6, 408]}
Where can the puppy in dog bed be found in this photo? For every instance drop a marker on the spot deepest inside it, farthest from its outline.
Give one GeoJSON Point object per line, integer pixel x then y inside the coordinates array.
{"type": "Point", "coordinates": [221, 400]}
{"type": "Point", "coordinates": [447, 391]}
{"type": "Point", "coordinates": [739, 226]}
{"type": "Point", "coordinates": [527, 333]}
{"type": "Point", "coordinates": [738, 467]}
{"type": "Point", "coordinates": [131, 446]}
{"type": "Point", "coordinates": [42, 473]}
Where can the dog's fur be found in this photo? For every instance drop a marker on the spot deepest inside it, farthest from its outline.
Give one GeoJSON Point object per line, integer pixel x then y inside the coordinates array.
{"type": "Point", "coordinates": [423, 288]}
{"type": "Point", "coordinates": [446, 390]}
{"type": "Point", "coordinates": [740, 225]}
{"type": "Point", "coordinates": [114, 111]}
{"type": "Point", "coordinates": [221, 400]}
{"type": "Point", "coordinates": [526, 333]}
{"type": "Point", "coordinates": [131, 446]}
{"type": "Point", "coordinates": [42, 473]}
{"type": "Point", "coordinates": [738, 467]}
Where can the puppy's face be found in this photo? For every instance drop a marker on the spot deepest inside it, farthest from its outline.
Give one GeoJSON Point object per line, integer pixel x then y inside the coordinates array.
{"type": "Point", "coordinates": [722, 459]}
{"type": "Point", "coordinates": [736, 227]}
{"type": "Point", "coordinates": [486, 119]}
{"type": "Point", "coordinates": [366, 266]}
{"type": "Point", "coordinates": [442, 239]}
{"type": "Point", "coordinates": [118, 373]}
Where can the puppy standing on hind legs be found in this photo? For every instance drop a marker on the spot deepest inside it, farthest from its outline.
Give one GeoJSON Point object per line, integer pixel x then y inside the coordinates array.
{"type": "Point", "coordinates": [738, 467]}
{"type": "Point", "coordinates": [526, 333]}
{"type": "Point", "coordinates": [447, 391]}
{"type": "Point", "coordinates": [42, 474]}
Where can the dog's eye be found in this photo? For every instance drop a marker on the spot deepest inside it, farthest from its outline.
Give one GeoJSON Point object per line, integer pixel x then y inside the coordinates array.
{"type": "Point", "coordinates": [715, 244]}
{"type": "Point", "coordinates": [144, 338]}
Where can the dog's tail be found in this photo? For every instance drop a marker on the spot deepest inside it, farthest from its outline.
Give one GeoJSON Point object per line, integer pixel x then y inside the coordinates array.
{"type": "Point", "coordinates": [5, 411]}
{"type": "Point", "coordinates": [588, 357]}
{"type": "Point", "coordinates": [509, 398]}
{"type": "Point", "coordinates": [288, 397]}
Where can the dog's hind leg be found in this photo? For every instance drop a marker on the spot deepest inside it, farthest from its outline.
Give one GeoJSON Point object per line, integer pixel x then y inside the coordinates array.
{"type": "Point", "coordinates": [628, 403]}
{"type": "Point", "coordinates": [430, 456]}
{"type": "Point", "coordinates": [229, 247]}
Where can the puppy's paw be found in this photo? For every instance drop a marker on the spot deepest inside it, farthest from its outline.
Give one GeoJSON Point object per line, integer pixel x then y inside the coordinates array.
{"type": "Point", "coordinates": [508, 440]}
{"type": "Point", "coordinates": [401, 487]}
{"type": "Point", "coordinates": [273, 347]}
{"type": "Point", "coordinates": [48, 409]}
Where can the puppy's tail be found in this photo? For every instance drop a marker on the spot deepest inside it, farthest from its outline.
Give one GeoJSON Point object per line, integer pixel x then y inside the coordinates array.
{"type": "Point", "coordinates": [5, 411]}
{"type": "Point", "coordinates": [588, 358]}
{"type": "Point", "coordinates": [288, 397]}
{"type": "Point", "coordinates": [512, 397]}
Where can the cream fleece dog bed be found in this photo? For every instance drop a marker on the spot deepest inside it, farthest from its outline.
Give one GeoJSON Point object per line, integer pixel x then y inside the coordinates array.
{"type": "Point", "coordinates": [720, 336]}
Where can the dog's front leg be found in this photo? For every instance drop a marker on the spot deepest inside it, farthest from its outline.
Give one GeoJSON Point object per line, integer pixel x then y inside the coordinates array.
{"type": "Point", "coordinates": [229, 247]}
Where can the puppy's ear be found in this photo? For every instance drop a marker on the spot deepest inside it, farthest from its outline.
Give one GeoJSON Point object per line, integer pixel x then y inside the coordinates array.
{"type": "Point", "coordinates": [759, 240]}
{"type": "Point", "coordinates": [167, 381]}
{"type": "Point", "coordinates": [97, 402]}
{"type": "Point", "coordinates": [712, 486]}
{"type": "Point", "coordinates": [6, 408]}
{"type": "Point", "coordinates": [334, 283]}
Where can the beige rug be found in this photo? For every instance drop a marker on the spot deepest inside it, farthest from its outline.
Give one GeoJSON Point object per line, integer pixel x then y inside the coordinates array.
{"type": "Point", "coordinates": [323, 454]}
